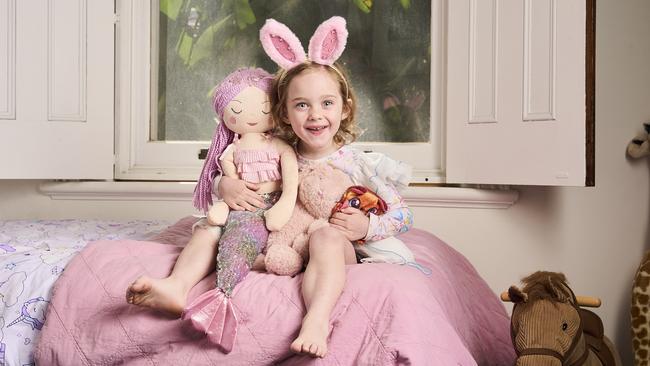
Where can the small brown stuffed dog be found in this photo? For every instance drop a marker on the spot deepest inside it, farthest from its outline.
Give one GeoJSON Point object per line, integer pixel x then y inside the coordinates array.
{"type": "Point", "coordinates": [363, 199]}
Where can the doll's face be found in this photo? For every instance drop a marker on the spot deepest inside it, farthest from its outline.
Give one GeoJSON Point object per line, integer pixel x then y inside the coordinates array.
{"type": "Point", "coordinates": [249, 111]}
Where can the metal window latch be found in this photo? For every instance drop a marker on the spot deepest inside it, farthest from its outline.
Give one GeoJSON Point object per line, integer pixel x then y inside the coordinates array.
{"type": "Point", "coordinates": [203, 153]}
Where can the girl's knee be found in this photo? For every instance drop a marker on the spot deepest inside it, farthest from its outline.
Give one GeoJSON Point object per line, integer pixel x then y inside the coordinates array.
{"type": "Point", "coordinates": [206, 235]}
{"type": "Point", "coordinates": [326, 237]}
{"type": "Point", "coordinates": [204, 229]}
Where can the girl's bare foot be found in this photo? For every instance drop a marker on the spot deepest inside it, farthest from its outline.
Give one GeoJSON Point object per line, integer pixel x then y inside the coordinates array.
{"type": "Point", "coordinates": [312, 339]}
{"type": "Point", "coordinates": [166, 294]}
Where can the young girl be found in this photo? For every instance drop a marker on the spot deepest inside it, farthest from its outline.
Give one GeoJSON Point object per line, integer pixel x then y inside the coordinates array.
{"type": "Point", "coordinates": [314, 108]}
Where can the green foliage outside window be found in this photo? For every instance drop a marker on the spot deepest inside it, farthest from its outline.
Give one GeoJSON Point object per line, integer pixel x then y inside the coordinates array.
{"type": "Point", "coordinates": [387, 55]}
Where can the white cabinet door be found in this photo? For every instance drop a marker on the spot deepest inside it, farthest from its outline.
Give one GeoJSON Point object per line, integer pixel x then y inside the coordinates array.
{"type": "Point", "coordinates": [56, 89]}
{"type": "Point", "coordinates": [518, 110]}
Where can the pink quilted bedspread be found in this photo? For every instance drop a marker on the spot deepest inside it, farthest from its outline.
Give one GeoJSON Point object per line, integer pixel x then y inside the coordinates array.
{"type": "Point", "coordinates": [387, 314]}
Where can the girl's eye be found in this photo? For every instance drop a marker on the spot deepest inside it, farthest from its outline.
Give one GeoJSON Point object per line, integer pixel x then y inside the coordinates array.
{"type": "Point", "coordinates": [301, 105]}
{"type": "Point", "coordinates": [328, 103]}
{"type": "Point", "coordinates": [354, 202]}
{"type": "Point", "coordinates": [234, 111]}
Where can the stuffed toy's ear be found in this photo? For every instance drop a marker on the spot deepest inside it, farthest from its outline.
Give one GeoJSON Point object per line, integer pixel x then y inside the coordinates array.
{"type": "Point", "coordinates": [560, 290]}
{"type": "Point", "coordinates": [516, 295]}
{"type": "Point", "coordinates": [281, 44]}
{"type": "Point", "coordinates": [328, 42]}
{"type": "Point", "coordinates": [639, 147]}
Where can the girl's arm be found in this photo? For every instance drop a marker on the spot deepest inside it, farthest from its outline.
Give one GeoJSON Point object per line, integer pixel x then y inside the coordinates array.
{"type": "Point", "coordinates": [397, 219]}
{"type": "Point", "coordinates": [278, 215]}
{"type": "Point", "coordinates": [352, 223]}
{"type": "Point", "coordinates": [238, 194]}
{"type": "Point", "coordinates": [384, 176]}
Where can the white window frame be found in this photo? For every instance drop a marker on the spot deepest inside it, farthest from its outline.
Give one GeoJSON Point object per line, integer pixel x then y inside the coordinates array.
{"type": "Point", "coordinates": [138, 158]}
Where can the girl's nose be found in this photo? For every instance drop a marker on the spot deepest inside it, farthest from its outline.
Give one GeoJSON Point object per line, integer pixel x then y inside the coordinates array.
{"type": "Point", "coordinates": [314, 115]}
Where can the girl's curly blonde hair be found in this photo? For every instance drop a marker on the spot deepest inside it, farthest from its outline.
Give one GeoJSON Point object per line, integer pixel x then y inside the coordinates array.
{"type": "Point", "coordinates": [348, 131]}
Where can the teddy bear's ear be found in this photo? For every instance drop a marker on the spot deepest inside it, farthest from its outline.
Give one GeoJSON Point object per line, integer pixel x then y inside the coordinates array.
{"type": "Point", "coordinates": [639, 146]}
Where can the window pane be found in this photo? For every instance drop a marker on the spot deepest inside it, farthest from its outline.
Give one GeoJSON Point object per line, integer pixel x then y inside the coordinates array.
{"type": "Point", "coordinates": [388, 56]}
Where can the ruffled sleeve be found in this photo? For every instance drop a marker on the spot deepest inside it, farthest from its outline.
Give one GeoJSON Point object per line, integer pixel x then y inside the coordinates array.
{"type": "Point", "coordinates": [386, 177]}
{"type": "Point", "coordinates": [380, 169]}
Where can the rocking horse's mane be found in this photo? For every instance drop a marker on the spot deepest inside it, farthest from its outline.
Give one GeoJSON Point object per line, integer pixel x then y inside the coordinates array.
{"type": "Point", "coordinates": [547, 285]}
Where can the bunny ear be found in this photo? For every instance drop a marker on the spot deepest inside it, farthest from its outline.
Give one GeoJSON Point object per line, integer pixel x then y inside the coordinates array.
{"type": "Point", "coordinates": [328, 42]}
{"type": "Point", "coordinates": [281, 44]}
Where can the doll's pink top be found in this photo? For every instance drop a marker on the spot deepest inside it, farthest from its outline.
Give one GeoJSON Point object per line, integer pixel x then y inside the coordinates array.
{"type": "Point", "coordinates": [259, 165]}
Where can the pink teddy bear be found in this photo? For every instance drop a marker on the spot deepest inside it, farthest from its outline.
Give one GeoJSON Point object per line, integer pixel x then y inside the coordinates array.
{"type": "Point", "coordinates": [320, 188]}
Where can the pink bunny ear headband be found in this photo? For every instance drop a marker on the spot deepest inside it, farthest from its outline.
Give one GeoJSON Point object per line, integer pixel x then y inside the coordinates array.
{"type": "Point", "coordinates": [325, 46]}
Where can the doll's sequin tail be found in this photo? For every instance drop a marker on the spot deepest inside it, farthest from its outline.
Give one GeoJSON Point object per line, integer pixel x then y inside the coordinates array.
{"type": "Point", "coordinates": [212, 313]}
{"type": "Point", "coordinates": [244, 238]}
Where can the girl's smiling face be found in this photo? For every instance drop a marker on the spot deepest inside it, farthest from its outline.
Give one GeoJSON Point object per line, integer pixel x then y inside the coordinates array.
{"type": "Point", "coordinates": [314, 111]}
{"type": "Point", "coordinates": [249, 111]}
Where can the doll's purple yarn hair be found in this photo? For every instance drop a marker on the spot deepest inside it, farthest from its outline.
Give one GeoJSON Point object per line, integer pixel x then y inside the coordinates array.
{"type": "Point", "coordinates": [229, 88]}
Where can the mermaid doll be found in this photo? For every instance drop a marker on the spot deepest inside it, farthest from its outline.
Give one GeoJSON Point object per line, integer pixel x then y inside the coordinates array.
{"type": "Point", "coordinates": [243, 149]}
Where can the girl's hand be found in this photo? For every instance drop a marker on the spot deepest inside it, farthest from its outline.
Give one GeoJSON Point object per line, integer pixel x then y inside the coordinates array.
{"type": "Point", "coordinates": [240, 195]}
{"type": "Point", "coordinates": [351, 222]}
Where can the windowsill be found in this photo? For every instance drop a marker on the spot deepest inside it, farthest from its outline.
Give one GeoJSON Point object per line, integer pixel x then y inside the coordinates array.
{"type": "Point", "coordinates": [182, 191]}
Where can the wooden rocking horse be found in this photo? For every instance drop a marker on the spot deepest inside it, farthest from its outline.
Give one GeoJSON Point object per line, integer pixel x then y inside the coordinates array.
{"type": "Point", "coordinates": [549, 328]}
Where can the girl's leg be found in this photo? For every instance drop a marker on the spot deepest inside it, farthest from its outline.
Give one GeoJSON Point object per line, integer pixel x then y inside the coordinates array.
{"type": "Point", "coordinates": [322, 284]}
{"type": "Point", "coordinates": [170, 294]}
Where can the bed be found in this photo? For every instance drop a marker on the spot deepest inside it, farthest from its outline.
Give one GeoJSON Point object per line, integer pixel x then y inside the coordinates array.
{"type": "Point", "coordinates": [387, 315]}
{"type": "Point", "coordinates": [33, 254]}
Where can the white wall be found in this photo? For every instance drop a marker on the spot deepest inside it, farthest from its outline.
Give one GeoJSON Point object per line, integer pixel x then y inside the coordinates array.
{"type": "Point", "coordinates": [596, 236]}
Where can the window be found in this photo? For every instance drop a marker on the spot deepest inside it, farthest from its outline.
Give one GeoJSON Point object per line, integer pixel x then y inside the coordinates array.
{"type": "Point", "coordinates": [514, 85]}
{"type": "Point", "coordinates": [393, 57]}
{"type": "Point", "coordinates": [510, 98]}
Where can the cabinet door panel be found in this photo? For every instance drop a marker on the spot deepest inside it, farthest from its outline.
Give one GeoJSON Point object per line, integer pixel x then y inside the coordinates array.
{"type": "Point", "coordinates": [516, 95]}
{"type": "Point", "coordinates": [56, 113]}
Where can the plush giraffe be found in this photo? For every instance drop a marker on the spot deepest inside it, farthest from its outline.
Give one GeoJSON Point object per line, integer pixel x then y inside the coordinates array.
{"type": "Point", "coordinates": [640, 313]}
{"type": "Point", "coordinates": [638, 148]}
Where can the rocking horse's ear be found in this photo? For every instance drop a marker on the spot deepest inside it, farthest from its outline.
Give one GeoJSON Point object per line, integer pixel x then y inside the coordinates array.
{"type": "Point", "coordinates": [557, 286]}
{"type": "Point", "coordinates": [516, 295]}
